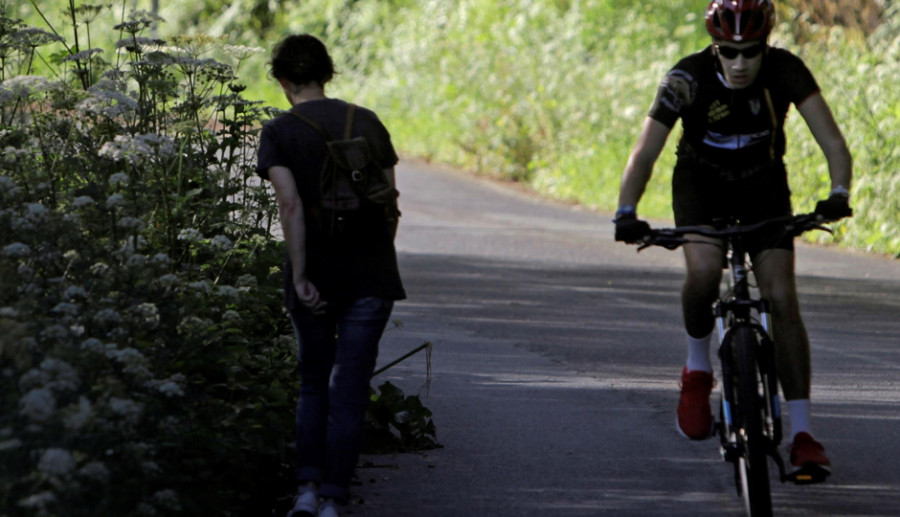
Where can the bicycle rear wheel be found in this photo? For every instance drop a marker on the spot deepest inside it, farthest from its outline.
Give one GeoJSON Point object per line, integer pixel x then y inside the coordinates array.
{"type": "Point", "coordinates": [753, 466]}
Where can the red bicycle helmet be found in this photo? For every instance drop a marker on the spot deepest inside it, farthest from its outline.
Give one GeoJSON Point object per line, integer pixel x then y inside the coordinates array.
{"type": "Point", "coordinates": [740, 20]}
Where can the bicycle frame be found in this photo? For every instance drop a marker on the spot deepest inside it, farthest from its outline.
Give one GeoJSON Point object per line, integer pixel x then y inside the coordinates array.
{"type": "Point", "coordinates": [739, 310]}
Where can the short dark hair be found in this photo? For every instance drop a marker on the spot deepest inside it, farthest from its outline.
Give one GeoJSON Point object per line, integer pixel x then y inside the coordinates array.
{"type": "Point", "coordinates": [302, 59]}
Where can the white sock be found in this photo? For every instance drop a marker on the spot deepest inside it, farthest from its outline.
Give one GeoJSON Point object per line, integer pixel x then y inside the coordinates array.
{"type": "Point", "coordinates": [698, 353]}
{"type": "Point", "coordinates": [798, 411]}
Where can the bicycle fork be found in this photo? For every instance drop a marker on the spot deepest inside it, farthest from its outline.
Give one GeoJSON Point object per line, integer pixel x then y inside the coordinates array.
{"type": "Point", "coordinates": [731, 444]}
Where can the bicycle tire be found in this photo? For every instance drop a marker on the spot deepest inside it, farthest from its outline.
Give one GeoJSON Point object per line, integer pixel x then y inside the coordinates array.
{"type": "Point", "coordinates": [753, 462]}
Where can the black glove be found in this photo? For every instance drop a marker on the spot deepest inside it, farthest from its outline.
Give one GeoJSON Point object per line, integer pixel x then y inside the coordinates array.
{"type": "Point", "coordinates": [631, 229]}
{"type": "Point", "coordinates": [837, 206]}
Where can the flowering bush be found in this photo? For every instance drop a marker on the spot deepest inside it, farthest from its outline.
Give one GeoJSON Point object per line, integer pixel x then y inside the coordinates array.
{"type": "Point", "coordinates": [146, 367]}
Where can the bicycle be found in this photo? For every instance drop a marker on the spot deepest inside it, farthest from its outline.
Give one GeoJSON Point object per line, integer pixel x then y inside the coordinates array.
{"type": "Point", "coordinates": [749, 425]}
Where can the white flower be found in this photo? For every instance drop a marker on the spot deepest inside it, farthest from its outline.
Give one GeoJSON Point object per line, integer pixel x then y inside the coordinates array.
{"type": "Point", "coordinates": [190, 235]}
{"type": "Point", "coordinates": [119, 178]}
{"type": "Point", "coordinates": [148, 313]}
{"type": "Point", "coordinates": [100, 269]}
{"type": "Point", "coordinates": [231, 316]}
{"type": "Point", "coordinates": [193, 324]}
{"type": "Point", "coordinates": [66, 308]}
{"type": "Point", "coordinates": [137, 260]}
{"type": "Point", "coordinates": [228, 292]}
{"type": "Point", "coordinates": [8, 186]}
{"type": "Point", "coordinates": [171, 389]}
{"type": "Point", "coordinates": [63, 376]}
{"type": "Point", "coordinates": [241, 52]}
{"type": "Point", "coordinates": [56, 462]}
{"type": "Point", "coordinates": [75, 293]}
{"type": "Point", "coordinates": [161, 259]}
{"type": "Point", "coordinates": [38, 405]}
{"type": "Point", "coordinates": [132, 360]}
{"type": "Point", "coordinates": [25, 271]}
{"type": "Point", "coordinates": [36, 210]}
{"type": "Point", "coordinates": [40, 501]}
{"type": "Point", "coordinates": [8, 312]}
{"type": "Point", "coordinates": [95, 471]}
{"type": "Point", "coordinates": [115, 200]}
{"type": "Point", "coordinates": [107, 316]}
{"type": "Point", "coordinates": [10, 445]}
{"type": "Point", "coordinates": [157, 146]}
{"type": "Point", "coordinates": [33, 378]}
{"type": "Point", "coordinates": [168, 280]}
{"type": "Point", "coordinates": [221, 242]}
{"type": "Point", "coordinates": [82, 201]}
{"type": "Point", "coordinates": [201, 287]}
{"type": "Point", "coordinates": [79, 416]}
{"type": "Point", "coordinates": [247, 281]}
{"type": "Point", "coordinates": [93, 344]}
{"type": "Point", "coordinates": [25, 85]}
{"type": "Point", "coordinates": [131, 224]}
{"type": "Point", "coordinates": [129, 410]}
{"type": "Point", "coordinates": [167, 499]}
{"type": "Point", "coordinates": [55, 332]}
{"type": "Point", "coordinates": [17, 250]}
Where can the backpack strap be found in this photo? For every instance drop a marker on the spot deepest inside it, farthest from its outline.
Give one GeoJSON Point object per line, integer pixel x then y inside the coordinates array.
{"type": "Point", "coordinates": [348, 125]}
{"type": "Point", "coordinates": [313, 124]}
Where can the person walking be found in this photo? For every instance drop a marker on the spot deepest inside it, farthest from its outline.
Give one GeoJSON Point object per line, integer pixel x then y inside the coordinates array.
{"type": "Point", "coordinates": [732, 99]}
{"type": "Point", "coordinates": [341, 279]}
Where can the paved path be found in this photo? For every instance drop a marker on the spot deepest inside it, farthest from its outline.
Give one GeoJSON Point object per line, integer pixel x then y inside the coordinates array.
{"type": "Point", "coordinates": [556, 360]}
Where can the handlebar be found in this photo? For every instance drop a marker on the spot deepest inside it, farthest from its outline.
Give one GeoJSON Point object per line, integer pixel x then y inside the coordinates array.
{"type": "Point", "coordinates": [672, 238]}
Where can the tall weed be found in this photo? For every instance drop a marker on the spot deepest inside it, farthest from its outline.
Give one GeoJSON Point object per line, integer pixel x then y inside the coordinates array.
{"type": "Point", "coordinates": [146, 367]}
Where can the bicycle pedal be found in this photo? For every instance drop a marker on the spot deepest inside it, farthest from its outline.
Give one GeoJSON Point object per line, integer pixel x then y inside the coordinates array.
{"type": "Point", "coordinates": [808, 475]}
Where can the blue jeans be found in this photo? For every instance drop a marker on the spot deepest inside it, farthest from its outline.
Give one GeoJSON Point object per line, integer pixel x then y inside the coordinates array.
{"type": "Point", "coordinates": [337, 353]}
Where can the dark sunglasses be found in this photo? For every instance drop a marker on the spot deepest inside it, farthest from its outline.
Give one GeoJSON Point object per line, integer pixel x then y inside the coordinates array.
{"type": "Point", "coordinates": [734, 52]}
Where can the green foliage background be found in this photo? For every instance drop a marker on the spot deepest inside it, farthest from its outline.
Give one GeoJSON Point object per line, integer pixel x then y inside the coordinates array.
{"type": "Point", "coordinates": [145, 365]}
{"type": "Point", "coordinates": [553, 92]}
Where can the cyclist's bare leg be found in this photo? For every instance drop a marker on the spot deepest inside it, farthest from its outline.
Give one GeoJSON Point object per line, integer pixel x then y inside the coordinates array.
{"type": "Point", "coordinates": [703, 259]}
{"type": "Point", "coordinates": [774, 270]}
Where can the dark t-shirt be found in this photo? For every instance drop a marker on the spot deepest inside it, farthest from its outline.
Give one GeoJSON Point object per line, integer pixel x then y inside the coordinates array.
{"type": "Point", "coordinates": [344, 266]}
{"type": "Point", "coordinates": [732, 129]}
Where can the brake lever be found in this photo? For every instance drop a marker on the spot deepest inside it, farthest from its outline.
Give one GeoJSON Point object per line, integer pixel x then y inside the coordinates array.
{"type": "Point", "coordinates": [645, 242]}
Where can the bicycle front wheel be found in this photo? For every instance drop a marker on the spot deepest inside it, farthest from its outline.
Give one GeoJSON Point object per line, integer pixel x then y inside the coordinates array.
{"type": "Point", "coordinates": [753, 463]}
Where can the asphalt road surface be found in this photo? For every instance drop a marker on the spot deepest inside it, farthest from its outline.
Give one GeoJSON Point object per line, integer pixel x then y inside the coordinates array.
{"type": "Point", "coordinates": [556, 360]}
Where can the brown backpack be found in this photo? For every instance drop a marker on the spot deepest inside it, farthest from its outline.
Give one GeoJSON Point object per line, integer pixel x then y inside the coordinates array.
{"type": "Point", "coordinates": [350, 178]}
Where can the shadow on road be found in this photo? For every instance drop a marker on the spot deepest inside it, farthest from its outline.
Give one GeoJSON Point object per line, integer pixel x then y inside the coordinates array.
{"type": "Point", "coordinates": [554, 390]}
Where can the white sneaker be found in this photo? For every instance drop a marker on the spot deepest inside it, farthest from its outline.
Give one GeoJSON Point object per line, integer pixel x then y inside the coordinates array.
{"type": "Point", "coordinates": [306, 504]}
{"type": "Point", "coordinates": [329, 508]}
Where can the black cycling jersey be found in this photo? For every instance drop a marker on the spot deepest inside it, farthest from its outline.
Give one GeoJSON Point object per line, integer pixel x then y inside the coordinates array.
{"type": "Point", "coordinates": [730, 155]}
{"type": "Point", "coordinates": [732, 130]}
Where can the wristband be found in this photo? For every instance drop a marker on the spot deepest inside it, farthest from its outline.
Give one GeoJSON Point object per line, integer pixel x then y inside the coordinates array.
{"type": "Point", "coordinates": [840, 190]}
{"type": "Point", "coordinates": [626, 210]}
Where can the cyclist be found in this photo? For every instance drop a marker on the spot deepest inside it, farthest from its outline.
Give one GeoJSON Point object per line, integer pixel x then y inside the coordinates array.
{"type": "Point", "coordinates": [732, 98]}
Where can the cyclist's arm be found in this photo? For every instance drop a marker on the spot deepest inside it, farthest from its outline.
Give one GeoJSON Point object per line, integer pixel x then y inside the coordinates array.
{"type": "Point", "coordinates": [640, 164]}
{"type": "Point", "coordinates": [821, 123]}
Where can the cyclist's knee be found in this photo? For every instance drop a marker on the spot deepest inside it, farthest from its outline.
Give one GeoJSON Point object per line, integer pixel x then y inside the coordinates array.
{"type": "Point", "coordinates": [703, 278]}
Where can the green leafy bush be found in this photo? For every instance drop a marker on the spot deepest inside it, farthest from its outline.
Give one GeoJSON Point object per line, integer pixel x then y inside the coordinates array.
{"type": "Point", "coordinates": [396, 422]}
{"type": "Point", "coordinates": [146, 363]}
{"type": "Point", "coordinates": [146, 366]}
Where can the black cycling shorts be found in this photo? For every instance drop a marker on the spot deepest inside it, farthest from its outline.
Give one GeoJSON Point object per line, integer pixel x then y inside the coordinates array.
{"type": "Point", "coordinates": [701, 196]}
